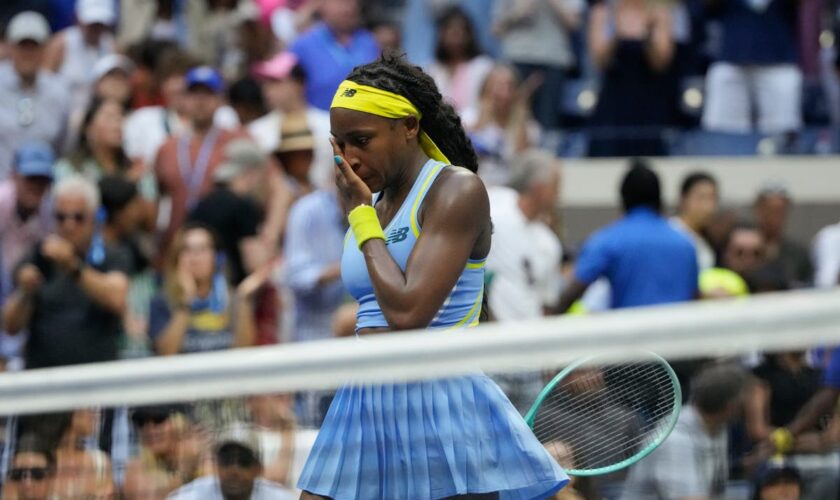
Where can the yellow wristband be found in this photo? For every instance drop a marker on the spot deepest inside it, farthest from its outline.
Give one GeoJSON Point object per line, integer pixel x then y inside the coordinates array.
{"type": "Point", "coordinates": [365, 224]}
{"type": "Point", "coordinates": [783, 440]}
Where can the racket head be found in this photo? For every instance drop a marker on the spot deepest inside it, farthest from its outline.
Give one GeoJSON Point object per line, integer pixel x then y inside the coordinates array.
{"type": "Point", "coordinates": [620, 392]}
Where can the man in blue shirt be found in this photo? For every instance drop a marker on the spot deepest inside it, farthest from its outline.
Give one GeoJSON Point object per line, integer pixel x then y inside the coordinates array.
{"type": "Point", "coordinates": [645, 259]}
{"type": "Point", "coordinates": [332, 48]}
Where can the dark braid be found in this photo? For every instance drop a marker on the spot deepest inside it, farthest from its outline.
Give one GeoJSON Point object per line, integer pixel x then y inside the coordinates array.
{"type": "Point", "coordinates": [440, 121]}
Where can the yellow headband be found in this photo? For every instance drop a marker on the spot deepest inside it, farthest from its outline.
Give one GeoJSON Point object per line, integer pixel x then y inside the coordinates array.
{"type": "Point", "coordinates": [351, 95]}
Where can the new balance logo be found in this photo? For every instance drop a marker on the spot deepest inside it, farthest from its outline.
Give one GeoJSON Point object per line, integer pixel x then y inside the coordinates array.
{"type": "Point", "coordinates": [349, 93]}
{"type": "Point", "coordinates": [397, 235]}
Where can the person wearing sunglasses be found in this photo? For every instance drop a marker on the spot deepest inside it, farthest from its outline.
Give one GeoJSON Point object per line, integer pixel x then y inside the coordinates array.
{"type": "Point", "coordinates": [238, 472]}
{"type": "Point", "coordinates": [71, 288]}
{"type": "Point", "coordinates": [30, 476]}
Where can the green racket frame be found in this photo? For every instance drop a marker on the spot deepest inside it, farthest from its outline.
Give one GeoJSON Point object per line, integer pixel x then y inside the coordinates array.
{"type": "Point", "coordinates": [532, 414]}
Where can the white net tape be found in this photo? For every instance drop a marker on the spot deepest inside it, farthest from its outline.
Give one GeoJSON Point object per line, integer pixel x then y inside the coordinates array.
{"type": "Point", "coordinates": [712, 328]}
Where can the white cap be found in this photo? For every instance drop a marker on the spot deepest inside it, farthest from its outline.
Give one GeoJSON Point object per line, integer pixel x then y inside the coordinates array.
{"type": "Point", "coordinates": [96, 12]}
{"type": "Point", "coordinates": [109, 63]}
{"type": "Point", "coordinates": [28, 25]}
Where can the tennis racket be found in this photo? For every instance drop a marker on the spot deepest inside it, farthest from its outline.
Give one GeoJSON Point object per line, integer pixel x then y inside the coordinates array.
{"type": "Point", "coordinates": [598, 416]}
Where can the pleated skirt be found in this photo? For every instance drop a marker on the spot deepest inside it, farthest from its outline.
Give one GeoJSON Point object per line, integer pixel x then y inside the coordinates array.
{"type": "Point", "coordinates": [425, 441]}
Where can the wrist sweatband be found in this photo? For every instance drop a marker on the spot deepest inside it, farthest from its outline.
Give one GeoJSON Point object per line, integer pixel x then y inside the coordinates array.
{"type": "Point", "coordinates": [365, 224]}
{"type": "Point", "coordinates": [783, 440]}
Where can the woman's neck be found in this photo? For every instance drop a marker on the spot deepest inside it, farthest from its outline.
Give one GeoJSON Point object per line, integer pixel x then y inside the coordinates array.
{"type": "Point", "coordinates": [69, 441]}
{"type": "Point", "coordinates": [105, 157]}
{"type": "Point", "coordinates": [203, 287]}
{"type": "Point", "coordinates": [398, 190]}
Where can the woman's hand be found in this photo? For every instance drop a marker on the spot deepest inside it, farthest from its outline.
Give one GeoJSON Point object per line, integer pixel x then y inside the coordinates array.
{"type": "Point", "coordinates": [186, 280]}
{"type": "Point", "coordinates": [352, 190]}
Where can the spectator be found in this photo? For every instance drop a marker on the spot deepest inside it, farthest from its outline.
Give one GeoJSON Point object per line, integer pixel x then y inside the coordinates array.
{"type": "Point", "coordinates": [246, 99]}
{"type": "Point", "coordinates": [692, 462]}
{"type": "Point", "coordinates": [112, 77]}
{"type": "Point", "coordinates": [284, 446]}
{"type": "Point", "coordinates": [32, 471]}
{"type": "Point", "coordinates": [745, 251]}
{"type": "Point", "coordinates": [459, 68]}
{"type": "Point", "coordinates": [632, 44]}
{"type": "Point", "coordinates": [73, 52]}
{"type": "Point", "coordinates": [170, 453]}
{"type": "Point", "coordinates": [212, 31]}
{"type": "Point", "coordinates": [284, 85]}
{"type": "Point", "coordinates": [644, 258]}
{"type": "Point", "coordinates": [100, 152]}
{"type": "Point", "coordinates": [161, 20]}
{"type": "Point", "coordinates": [771, 210]}
{"type": "Point", "coordinates": [186, 163]}
{"type": "Point", "coordinates": [387, 34]}
{"type": "Point", "coordinates": [123, 226]}
{"type": "Point", "coordinates": [198, 310]}
{"type": "Point", "coordinates": [536, 37]}
{"type": "Point", "coordinates": [37, 96]}
{"type": "Point", "coordinates": [295, 154]}
{"type": "Point", "coordinates": [778, 483]}
{"type": "Point", "coordinates": [24, 207]}
{"type": "Point", "coordinates": [757, 66]}
{"type": "Point", "coordinates": [826, 255]}
{"type": "Point", "coordinates": [238, 473]}
{"type": "Point", "coordinates": [81, 472]}
{"type": "Point", "coordinates": [71, 288]}
{"type": "Point", "coordinates": [502, 126]}
{"type": "Point", "coordinates": [525, 257]}
{"type": "Point", "coordinates": [333, 47]}
{"type": "Point", "coordinates": [698, 204]}
{"type": "Point", "coordinates": [232, 212]}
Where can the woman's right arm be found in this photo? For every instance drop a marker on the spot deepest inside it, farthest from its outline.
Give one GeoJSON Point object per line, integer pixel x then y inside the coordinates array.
{"type": "Point", "coordinates": [756, 411]}
{"type": "Point", "coordinates": [171, 336]}
{"type": "Point", "coordinates": [601, 41]}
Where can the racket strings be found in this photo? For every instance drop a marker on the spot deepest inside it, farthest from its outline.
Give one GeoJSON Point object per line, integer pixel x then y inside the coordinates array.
{"type": "Point", "coordinates": [604, 415]}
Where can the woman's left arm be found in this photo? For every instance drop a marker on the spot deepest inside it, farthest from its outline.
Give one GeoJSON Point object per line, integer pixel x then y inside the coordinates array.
{"type": "Point", "coordinates": [660, 50]}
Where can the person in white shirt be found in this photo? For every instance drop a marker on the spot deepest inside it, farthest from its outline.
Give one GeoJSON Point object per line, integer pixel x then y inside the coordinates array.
{"type": "Point", "coordinates": [692, 462]}
{"type": "Point", "coordinates": [826, 256]}
{"type": "Point", "coordinates": [523, 266]}
{"type": "Point", "coordinates": [698, 204]}
{"type": "Point", "coordinates": [284, 85]}
{"type": "Point", "coordinates": [238, 470]}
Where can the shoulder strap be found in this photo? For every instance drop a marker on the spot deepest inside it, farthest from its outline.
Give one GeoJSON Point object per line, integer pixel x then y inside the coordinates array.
{"type": "Point", "coordinates": [428, 176]}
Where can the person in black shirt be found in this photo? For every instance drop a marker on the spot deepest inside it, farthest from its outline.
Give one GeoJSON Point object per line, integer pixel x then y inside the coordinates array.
{"type": "Point", "coordinates": [71, 290]}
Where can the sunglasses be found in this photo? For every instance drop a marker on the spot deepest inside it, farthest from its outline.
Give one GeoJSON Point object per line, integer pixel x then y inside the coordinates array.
{"type": "Point", "coordinates": [34, 473]}
{"type": "Point", "coordinates": [77, 217]}
{"type": "Point", "coordinates": [756, 253]}
{"type": "Point", "coordinates": [142, 421]}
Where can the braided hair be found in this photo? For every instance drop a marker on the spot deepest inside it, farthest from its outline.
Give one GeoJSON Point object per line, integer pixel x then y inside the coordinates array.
{"type": "Point", "coordinates": [440, 121]}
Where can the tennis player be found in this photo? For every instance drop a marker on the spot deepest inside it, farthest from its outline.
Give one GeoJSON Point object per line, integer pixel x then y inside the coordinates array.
{"type": "Point", "coordinates": [414, 258]}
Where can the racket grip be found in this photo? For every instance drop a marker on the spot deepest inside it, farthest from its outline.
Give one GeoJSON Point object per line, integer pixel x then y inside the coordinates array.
{"type": "Point", "coordinates": [782, 440]}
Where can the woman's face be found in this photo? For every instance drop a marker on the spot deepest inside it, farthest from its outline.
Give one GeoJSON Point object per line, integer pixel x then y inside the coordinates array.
{"type": "Point", "coordinates": [105, 128]}
{"type": "Point", "coordinates": [454, 36]}
{"type": "Point", "coordinates": [375, 147]}
{"type": "Point", "coordinates": [199, 253]}
{"type": "Point", "coordinates": [500, 87]}
{"type": "Point", "coordinates": [84, 422]}
{"type": "Point", "coordinates": [157, 437]}
{"type": "Point", "coordinates": [701, 202]}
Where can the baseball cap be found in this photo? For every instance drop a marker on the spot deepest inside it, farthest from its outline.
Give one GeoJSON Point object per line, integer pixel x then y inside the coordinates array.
{"type": "Point", "coordinates": [295, 134]}
{"type": "Point", "coordinates": [110, 63]}
{"type": "Point", "coordinates": [206, 76]}
{"type": "Point", "coordinates": [28, 25]}
{"type": "Point", "coordinates": [240, 155]}
{"type": "Point", "coordinates": [277, 68]}
{"type": "Point", "coordinates": [242, 435]}
{"type": "Point", "coordinates": [96, 12]}
{"type": "Point", "coordinates": [34, 159]}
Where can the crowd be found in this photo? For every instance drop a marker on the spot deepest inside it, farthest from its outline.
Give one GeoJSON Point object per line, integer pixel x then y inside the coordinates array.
{"type": "Point", "coordinates": [166, 187]}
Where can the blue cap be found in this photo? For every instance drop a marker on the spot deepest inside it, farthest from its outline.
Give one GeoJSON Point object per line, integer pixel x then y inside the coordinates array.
{"type": "Point", "coordinates": [34, 159]}
{"type": "Point", "coordinates": [207, 76]}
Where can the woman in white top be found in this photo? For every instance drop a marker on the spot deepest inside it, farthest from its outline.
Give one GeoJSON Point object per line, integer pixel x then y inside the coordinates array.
{"type": "Point", "coordinates": [459, 68]}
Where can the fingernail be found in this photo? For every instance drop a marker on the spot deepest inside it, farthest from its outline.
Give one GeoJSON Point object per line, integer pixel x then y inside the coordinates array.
{"type": "Point", "coordinates": [337, 159]}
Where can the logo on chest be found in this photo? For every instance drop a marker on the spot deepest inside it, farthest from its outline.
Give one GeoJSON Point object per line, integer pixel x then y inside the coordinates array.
{"type": "Point", "coordinates": [397, 235]}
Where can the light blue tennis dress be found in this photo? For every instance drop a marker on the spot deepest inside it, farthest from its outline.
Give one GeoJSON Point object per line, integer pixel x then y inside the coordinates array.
{"type": "Point", "coordinates": [424, 440]}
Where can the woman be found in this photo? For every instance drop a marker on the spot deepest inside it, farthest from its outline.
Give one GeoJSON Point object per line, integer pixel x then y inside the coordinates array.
{"type": "Point", "coordinates": [459, 68]}
{"type": "Point", "coordinates": [99, 151]}
{"type": "Point", "coordinates": [82, 472]}
{"type": "Point", "coordinates": [394, 135]}
{"type": "Point", "coordinates": [502, 125]}
{"type": "Point", "coordinates": [198, 311]}
{"type": "Point", "coordinates": [698, 204]}
{"type": "Point", "coordinates": [632, 45]}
